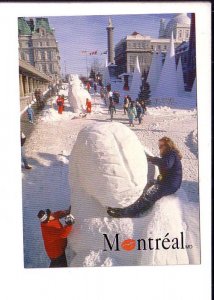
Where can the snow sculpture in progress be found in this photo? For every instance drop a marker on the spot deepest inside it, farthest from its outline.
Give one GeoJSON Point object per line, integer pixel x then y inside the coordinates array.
{"type": "Point", "coordinates": [77, 95]}
{"type": "Point", "coordinates": [108, 167]}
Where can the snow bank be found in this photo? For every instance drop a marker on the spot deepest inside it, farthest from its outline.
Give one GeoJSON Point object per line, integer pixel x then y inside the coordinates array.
{"type": "Point", "coordinates": [108, 167]}
{"type": "Point", "coordinates": [51, 114]}
{"type": "Point", "coordinates": [77, 95]}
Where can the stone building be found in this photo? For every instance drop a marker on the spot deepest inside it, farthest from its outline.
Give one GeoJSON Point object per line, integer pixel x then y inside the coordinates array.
{"type": "Point", "coordinates": [179, 25]}
{"type": "Point", "coordinates": [143, 46]}
{"type": "Point", "coordinates": [38, 46]}
{"type": "Point", "coordinates": [31, 79]}
{"type": "Point", "coordinates": [139, 45]}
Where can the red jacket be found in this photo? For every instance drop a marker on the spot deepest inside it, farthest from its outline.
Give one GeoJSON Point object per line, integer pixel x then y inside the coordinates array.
{"type": "Point", "coordinates": [55, 235]}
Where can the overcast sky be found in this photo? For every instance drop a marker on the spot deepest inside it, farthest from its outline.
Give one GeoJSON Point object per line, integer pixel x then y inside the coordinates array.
{"type": "Point", "coordinates": [78, 33]}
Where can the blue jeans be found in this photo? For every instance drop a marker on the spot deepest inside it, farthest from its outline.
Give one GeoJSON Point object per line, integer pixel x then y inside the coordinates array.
{"type": "Point", "coordinates": [147, 199]}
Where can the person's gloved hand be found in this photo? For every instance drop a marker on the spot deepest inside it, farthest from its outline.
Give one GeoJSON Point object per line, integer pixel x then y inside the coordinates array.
{"type": "Point", "coordinates": [69, 219]}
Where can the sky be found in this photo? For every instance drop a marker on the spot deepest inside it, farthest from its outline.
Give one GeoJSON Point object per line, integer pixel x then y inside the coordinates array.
{"type": "Point", "coordinates": [77, 33]}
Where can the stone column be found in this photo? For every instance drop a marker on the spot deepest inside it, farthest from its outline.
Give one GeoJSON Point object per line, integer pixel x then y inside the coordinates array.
{"type": "Point", "coordinates": [110, 36]}
{"type": "Point", "coordinates": [21, 87]}
{"type": "Point", "coordinates": [31, 85]}
{"type": "Point", "coordinates": [26, 85]}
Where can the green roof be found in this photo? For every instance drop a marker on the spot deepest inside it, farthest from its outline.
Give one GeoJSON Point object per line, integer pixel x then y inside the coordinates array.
{"type": "Point", "coordinates": [43, 22]}
{"type": "Point", "coordinates": [23, 27]}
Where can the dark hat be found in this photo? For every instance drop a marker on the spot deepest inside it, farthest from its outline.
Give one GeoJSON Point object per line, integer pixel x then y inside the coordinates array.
{"type": "Point", "coordinates": [44, 215]}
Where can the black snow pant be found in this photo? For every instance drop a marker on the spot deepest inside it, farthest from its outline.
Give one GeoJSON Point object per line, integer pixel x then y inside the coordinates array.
{"type": "Point", "coordinates": [59, 262]}
{"type": "Point", "coordinates": [147, 199]}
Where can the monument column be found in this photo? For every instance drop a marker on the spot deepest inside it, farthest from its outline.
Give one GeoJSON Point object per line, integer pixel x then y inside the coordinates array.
{"type": "Point", "coordinates": [110, 36]}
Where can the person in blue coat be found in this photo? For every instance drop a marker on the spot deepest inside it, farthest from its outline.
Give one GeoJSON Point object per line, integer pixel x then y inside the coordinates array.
{"type": "Point", "coordinates": [167, 183]}
{"type": "Point", "coordinates": [30, 114]}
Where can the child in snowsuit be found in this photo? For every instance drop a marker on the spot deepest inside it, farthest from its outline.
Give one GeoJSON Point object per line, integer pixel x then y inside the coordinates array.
{"type": "Point", "coordinates": [55, 235]}
{"type": "Point", "coordinates": [132, 113]}
{"type": "Point", "coordinates": [30, 114]}
{"type": "Point", "coordinates": [168, 182]}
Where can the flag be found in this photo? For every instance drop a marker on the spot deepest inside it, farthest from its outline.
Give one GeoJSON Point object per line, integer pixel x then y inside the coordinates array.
{"type": "Point", "coordinates": [93, 53]}
{"type": "Point", "coordinates": [105, 52]}
{"type": "Point", "coordinates": [84, 52]}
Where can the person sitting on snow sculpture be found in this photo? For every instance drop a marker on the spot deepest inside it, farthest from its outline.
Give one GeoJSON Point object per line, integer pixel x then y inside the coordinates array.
{"type": "Point", "coordinates": [167, 183]}
{"type": "Point", "coordinates": [55, 234]}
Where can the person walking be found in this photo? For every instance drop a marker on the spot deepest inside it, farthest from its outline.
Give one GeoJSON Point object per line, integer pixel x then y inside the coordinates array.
{"type": "Point", "coordinates": [95, 87]}
{"type": "Point", "coordinates": [167, 183]}
{"type": "Point", "coordinates": [140, 112]}
{"type": "Point", "coordinates": [112, 108]}
{"type": "Point", "coordinates": [59, 102]}
{"type": "Point", "coordinates": [132, 113]}
{"type": "Point", "coordinates": [125, 105]}
{"type": "Point", "coordinates": [23, 157]}
{"type": "Point", "coordinates": [63, 102]}
{"type": "Point", "coordinates": [55, 235]}
{"type": "Point", "coordinates": [88, 106]}
{"type": "Point", "coordinates": [30, 114]}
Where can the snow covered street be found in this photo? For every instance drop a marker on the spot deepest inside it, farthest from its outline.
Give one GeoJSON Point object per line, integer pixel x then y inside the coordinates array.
{"type": "Point", "coordinates": [49, 146]}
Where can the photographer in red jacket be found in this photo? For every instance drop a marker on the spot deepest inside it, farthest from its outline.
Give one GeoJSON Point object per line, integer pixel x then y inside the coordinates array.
{"type": "Point", "coordinates": [55, 235]}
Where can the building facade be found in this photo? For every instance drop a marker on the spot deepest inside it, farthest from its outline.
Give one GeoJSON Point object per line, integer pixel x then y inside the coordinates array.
{"type": "Point", "coordinates": [143, 46]}
{"type": "Point", "coordinates": [179, 25]}
{"type": "Point", "coordinates": [38, 46]}
{"type": "Point", "coordinates": [31, 79]}
{"type": "Point", "coordinates": [139, 45]}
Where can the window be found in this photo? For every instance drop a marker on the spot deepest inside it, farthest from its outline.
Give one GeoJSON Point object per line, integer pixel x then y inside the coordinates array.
{"type": "Point", "coordinates": [165, 47]}
{"type": "Point", "coordinates": [187, 34]}
{"type": "Point", "coordinates": [180, 34]}
{"type": "Point", "coordinates": [132, 59]}
{"type": "Point", "coordinates": [48, 44]}
{"type": "Point", "coordinates": [44, 68]}
{"type": "Point", "coordinates": [42, 32]}
{"type": "Point", "coordinates": [40, 44]}
{"type": "Point", "coordinates": [159, 47]}
{"type": "Point", "coordinates": [50, 68]}
{"type": "Point", "coordinates": [134, 45]}
{"type": "Point", "coordinates": [152, 47]}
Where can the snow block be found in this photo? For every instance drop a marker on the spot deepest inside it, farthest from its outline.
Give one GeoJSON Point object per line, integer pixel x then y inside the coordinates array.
{"type": "Point", "coordinates": [77, 95]}
{"type": "Point", "coordinates": [108, 167]}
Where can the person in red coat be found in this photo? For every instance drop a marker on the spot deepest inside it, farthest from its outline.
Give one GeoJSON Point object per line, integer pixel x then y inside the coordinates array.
{"type": "Point", "coordinates": [55, 235]}
{"type": "Point", "coordinates": [59, 102]}
{"type": "Point", "coordinates": [88, 105]}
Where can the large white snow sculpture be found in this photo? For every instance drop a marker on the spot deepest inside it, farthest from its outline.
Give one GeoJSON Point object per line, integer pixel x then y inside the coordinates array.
{"type": "Point", "coordinates": [180, 78]}
{"type": "Point", "coordinates": [136, 81]}
{"type": "Point", "coordinates": [152, 75]}
{"type": "Point", "coordinates": [108, 167]}
{"type": "Point", "coordinates": [167, 84]}
{"type": "Point", "coordinates": [77, 95]}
